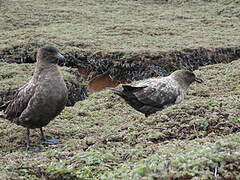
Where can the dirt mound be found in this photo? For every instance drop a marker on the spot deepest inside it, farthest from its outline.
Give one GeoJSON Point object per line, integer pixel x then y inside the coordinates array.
{"type": "Point", "coordinates": [134, 66]}
{"type": "Point", "coordinates": [108, 70]}
{"type": "Point", "coordinates": [129, 67]}
{"type": "Point", "coordinates": [76, 92]}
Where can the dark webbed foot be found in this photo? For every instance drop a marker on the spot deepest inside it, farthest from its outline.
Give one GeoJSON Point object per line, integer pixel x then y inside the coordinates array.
{"type": "Point", "coordinates": [50, 141]}
{"type": "Point", "coordinates": [31, 149]}
{"type": "Point", "coordinates": [34, 149]}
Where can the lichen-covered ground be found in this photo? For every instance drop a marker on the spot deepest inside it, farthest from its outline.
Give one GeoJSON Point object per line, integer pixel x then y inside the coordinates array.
{"type": "Point", "coordinates": [103, 138]}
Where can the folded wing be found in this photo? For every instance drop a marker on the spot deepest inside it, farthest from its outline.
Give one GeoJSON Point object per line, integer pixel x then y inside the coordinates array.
{"type": "Point", "coordinates": [157, 97]}
{"type": "Point", "coordinates": [20, 101]}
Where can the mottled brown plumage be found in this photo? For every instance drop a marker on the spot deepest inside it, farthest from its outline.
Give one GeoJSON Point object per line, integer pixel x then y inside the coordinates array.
{"type": "Point", "coordinates": [155, 94]}
{"type": "Point", "coordinates": [43, 97]}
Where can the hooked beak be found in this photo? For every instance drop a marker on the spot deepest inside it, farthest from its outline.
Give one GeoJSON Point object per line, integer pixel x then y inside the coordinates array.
{"type": "Point", "coordinates": [198, 80]}
{"type": "Point", "coordinates": [61, 59]}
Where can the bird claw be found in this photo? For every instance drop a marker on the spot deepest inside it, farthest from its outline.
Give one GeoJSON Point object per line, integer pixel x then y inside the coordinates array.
{"type": "Point", "coordinates": [50, 141]}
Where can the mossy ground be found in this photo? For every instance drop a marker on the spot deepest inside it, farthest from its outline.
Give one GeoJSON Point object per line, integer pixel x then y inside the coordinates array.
{"type": "Point", "coordinates": [125, 26]}
{"type": "Point", "coordinates": [103, 138]}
